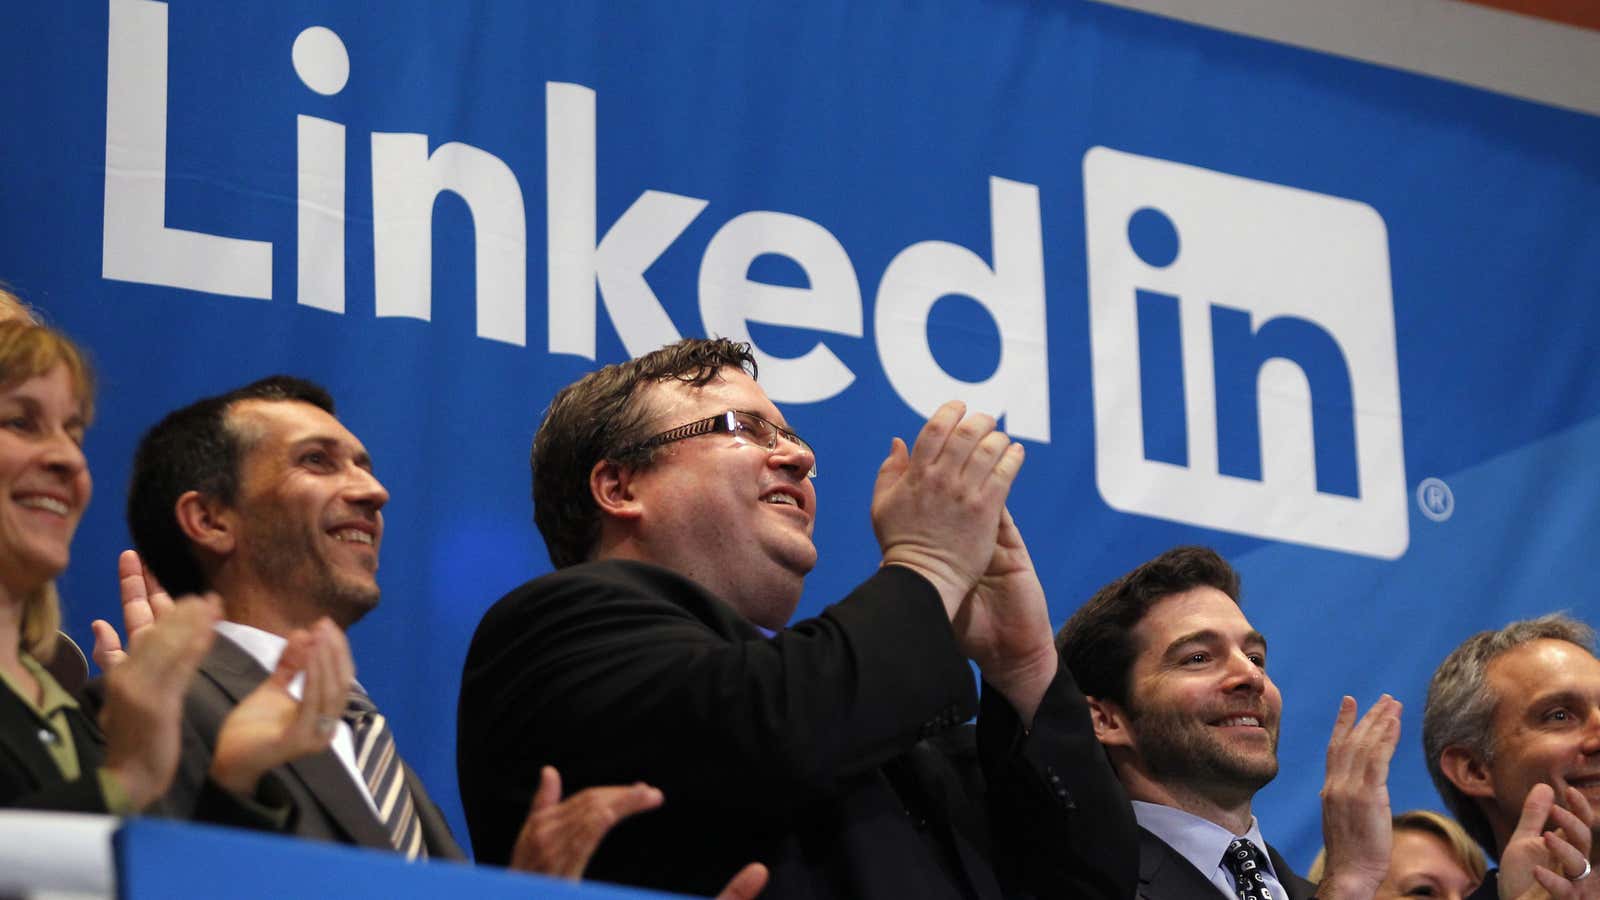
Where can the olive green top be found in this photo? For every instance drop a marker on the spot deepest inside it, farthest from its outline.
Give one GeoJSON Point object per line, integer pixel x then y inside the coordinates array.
{"type": "Point", "coordinates": [51, 711]}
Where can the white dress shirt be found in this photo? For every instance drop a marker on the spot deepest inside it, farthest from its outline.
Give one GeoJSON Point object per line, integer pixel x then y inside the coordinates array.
{"type": "Point", "coordinates": [265, 648]}
{"type": "Point", "coordinates": [1203, 843]}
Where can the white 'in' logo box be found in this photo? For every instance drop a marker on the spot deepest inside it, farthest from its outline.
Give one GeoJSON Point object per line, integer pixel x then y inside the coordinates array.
{"type": "Point", "coordinates": [1243, 351]}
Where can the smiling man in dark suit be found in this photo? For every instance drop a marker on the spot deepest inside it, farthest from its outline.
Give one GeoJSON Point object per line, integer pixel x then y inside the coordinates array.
{"type": "Point", "coordinates": [678, 507]}
{"type": "Point", "coordinates": [1181, 699]}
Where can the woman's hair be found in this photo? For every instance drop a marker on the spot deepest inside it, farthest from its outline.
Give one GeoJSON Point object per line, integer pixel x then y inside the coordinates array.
{"type": "Point", "coordinates": [28, 350]}
{"type": "Point", "coordinates": [1463, 849]}
{"type": "Point", "coordinates": [13, 307]}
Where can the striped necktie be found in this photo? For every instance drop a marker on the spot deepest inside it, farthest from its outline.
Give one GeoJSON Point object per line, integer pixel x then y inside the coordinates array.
{"type": "Point", "coordinates": [380, 765]}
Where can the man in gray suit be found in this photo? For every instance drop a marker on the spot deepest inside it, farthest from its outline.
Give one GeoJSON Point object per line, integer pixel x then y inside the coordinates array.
{"type": "Point", "coordinates": [1182, 703]}
{"type": "Point", "coordinates": [263, 496]}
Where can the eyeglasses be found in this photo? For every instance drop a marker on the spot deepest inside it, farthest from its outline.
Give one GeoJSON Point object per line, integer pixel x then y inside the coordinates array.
{"type": "Point", "coordinates": [747, 428]}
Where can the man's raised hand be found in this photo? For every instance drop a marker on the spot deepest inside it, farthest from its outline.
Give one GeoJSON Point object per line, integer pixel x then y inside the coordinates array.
{"type": "Point", "coordinates": [1549, 849]}
{"type": "Point", "coordinates": [1004, 624]}
{"type": "Point", "coordinates": [746, 885]}
{"type": "Point", "coordinates": [1357, 825]}
{"type": "Point", "coordinates": [559, 836]}
{"type": "Point", "coordinates": [936, 509]}
{"type": "Point", "coordinates": [270, 727]}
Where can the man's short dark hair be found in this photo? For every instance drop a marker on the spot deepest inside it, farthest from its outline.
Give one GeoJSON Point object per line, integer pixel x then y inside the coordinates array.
{"type": "Point", "coordinates": [1461, 706]}
{"type": "Point", "coordinates": [599, 417]}
{"type": "Point", "coordinates": [196, 449]}
{"type": "Point", "coordinates": [1097, 644]}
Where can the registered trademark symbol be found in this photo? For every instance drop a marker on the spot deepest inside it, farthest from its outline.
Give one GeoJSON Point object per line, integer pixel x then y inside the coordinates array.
{"type": "Point", "coordinates": [1435, 500]}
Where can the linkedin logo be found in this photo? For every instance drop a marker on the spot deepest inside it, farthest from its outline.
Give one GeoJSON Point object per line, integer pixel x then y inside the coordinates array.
{"type": "Point", "coordinates": [1243, 353]}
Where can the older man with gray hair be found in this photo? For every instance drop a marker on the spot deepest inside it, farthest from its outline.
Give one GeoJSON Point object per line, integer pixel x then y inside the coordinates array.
{"type": "Point", "coordinates": [1511, 731]}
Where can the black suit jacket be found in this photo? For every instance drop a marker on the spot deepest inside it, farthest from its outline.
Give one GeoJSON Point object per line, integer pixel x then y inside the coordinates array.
{"type": "Point", "coordinates": [1165, 875]}
{"type": "Point", "coordinates": [831, 752]}
{"type": "Point", "coordinates": [29, 778]}
{"type": "Point", "coordinates": [324, 802]}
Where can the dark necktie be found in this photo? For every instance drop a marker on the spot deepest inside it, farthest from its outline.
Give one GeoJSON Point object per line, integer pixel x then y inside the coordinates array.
{"type": "Point", "coordinates": [380, 766]}
{"type": "Point", "coordinates": [1249, 870]}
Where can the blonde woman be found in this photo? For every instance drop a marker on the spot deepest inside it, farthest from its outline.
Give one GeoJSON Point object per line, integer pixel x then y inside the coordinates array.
{"type": "Point", "coordinates": [1432, 857]}
{"type": "Point", "coordinates": [53, 755]}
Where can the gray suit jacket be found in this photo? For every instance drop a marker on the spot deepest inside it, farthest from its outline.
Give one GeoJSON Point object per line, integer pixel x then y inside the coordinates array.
{"type": "Point", "coordinates": [324, 802]}
{"type": "Point", "coordinates": [1164, 875]}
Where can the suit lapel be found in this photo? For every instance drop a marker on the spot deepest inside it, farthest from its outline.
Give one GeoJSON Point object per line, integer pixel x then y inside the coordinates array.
{"type": "Point", "coordinates": [335, 791]}
{"type": "Point", "coordinates": [1164, 875]}
{"type": "Point", "coordinates": [87, 740]}
{"type": "Point", "coordinates": [1298, 888]}
{"type": "Point", "coordinates": [436, 834]}
{"type": "Point", "coordinates": [324, 777]}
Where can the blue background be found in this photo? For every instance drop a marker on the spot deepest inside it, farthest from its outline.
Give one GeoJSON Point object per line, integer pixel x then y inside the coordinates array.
{"type": "Point", "coordinates": [881, 122]}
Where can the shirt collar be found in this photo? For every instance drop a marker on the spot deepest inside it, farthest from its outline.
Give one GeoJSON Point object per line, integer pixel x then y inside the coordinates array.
{"type": "Point", "coordinates": [52, 696]}
{"type": "Point", "coordinates": [264, 647]}
{"type": "Point", "coordinates": [1200, 841]}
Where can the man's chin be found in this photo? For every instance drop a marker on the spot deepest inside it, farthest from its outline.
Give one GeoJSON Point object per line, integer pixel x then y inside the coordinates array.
{"type": "Point", "coordinates": [347, 605]}
{"type": "Point", "coordinates": [1245, 770]}
{"type": "Point", "coordinates": [798, 559]}
{"type": "Point", "coordinates": [1257, 772]}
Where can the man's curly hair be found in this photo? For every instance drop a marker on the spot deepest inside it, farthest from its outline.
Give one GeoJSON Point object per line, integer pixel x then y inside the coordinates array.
{"type": "Point", "coordinates": [599, 417]}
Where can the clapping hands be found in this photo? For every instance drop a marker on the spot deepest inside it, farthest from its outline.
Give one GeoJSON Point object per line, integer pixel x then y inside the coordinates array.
{"type": "Point", "coordinates": [269, 727]}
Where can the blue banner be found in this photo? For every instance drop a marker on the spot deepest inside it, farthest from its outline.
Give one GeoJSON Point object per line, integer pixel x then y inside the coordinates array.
{"type": "Point", "coordinates": [1333, 318]}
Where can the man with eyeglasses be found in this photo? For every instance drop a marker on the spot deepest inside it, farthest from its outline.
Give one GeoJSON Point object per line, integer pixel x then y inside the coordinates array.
{"type": "Point", "coordinates": [677, 508]}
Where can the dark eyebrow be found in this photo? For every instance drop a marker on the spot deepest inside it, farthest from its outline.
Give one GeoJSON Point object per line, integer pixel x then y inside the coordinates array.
{"type": "Point", "coordinates": [359, 456]}
{"type": "Point", "coordinates": [1563, 697]}
{"type": "Point", "coordinates": [1211, 635]}
{"type": "Point", "coordinates": [1204, 636]}
{"type": "Point", "coordinates": [781, 426]}
{"type": "Point", "coordinates": [316, 440]}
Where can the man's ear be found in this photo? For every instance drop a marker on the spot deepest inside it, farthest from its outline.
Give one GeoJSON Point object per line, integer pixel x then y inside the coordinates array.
{"type": "Point", "coordinates": [1110, 723]}
{"type": "Point", "coordinates": [611, 486]}
{"type": "Point", "coordinates": [1470, 775]}
{"type": "Point", "coordinates": [207, 522]}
